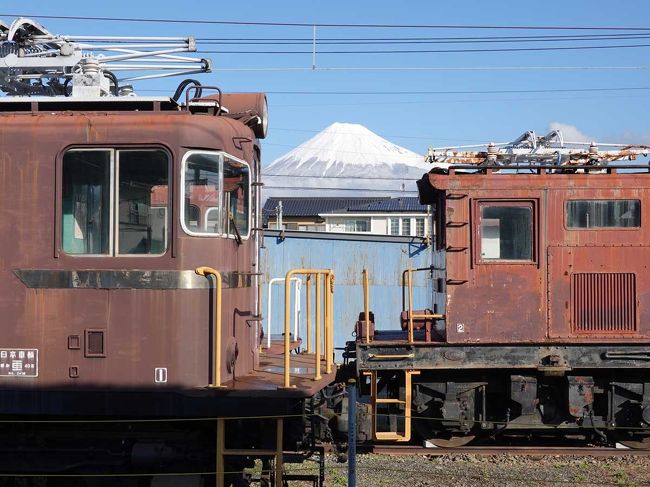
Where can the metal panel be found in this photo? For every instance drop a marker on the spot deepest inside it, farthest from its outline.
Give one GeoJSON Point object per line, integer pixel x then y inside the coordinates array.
{"type": "Point", "coordinates": [131, 279]}
{"type": "Point", "coordinates": [603, 302]}
{"type": "Point", "coordinates": [384, 260]}
{"type": "Point", "coordinates": [598, 291]}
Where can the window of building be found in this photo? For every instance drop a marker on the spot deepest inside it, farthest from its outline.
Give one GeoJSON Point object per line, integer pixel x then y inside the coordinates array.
{"type": "Point", "coordinates": [357, 225]}
{"type": "Point", "coordinates": [506, 231]}
{"type": "Point", "coordinates": [419, 227]}
{"type": "Point", "coordinates": [603, 213]}
{"type": "Point", "coordinates": [115, 202]}
{"type": "Point", "coordinates": [216, 195]}
{"type": "Point", "coordinates": [394, 226]}
{"type": "Point", "coordinates": [406, 226]}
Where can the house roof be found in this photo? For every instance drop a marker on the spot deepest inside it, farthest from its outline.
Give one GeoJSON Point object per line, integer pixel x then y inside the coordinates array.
{"type": "Point", "coordinates": [312, 207]}
{"type": "Point", "coordinates": [390, 205]}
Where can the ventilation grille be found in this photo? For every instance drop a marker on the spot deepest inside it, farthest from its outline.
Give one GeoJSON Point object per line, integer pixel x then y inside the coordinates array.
{"type": "Point", "coordinates": [604, 302]}
{"type": "Point", "coordinates": [95, 343]}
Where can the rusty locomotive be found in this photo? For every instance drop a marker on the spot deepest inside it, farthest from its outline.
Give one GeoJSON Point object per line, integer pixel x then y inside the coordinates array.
{"type": "Point", "coordinates": [540, 316]}
{"type": "Point", "coordinates": [130, 336]}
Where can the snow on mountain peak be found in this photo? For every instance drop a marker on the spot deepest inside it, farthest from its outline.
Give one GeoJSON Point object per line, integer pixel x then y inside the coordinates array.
{"type": "Point", "coordinates": [341, 148]}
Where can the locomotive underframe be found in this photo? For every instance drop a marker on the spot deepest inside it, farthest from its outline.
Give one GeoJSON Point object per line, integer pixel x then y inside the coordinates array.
{"type": "Point", "coordinates": [597, 391]}
{"type": "Point", "coordinates": [134, 432]}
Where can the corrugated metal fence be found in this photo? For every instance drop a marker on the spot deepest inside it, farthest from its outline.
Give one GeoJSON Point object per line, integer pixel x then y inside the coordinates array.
{"type": "Point", "coordinates": [384, 257]}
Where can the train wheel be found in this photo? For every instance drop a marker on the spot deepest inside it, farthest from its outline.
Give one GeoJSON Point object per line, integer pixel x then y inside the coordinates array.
{"type": "Point", "coordinates": [451, 441]}
{"type": "Point", "coordinates": [636, 442]}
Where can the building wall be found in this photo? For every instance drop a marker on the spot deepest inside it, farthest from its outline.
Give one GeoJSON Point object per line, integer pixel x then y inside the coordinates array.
{"type": "Point", "coordinates": [384, 257]}
{"type": "Point", "coordinates": [380, 224]}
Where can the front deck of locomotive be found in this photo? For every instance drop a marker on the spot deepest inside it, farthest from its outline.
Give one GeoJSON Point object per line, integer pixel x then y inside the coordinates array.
{"type": "Point", "coordinates": [129, 280]}
{"type": "Point", "coordinates": [538, 324]}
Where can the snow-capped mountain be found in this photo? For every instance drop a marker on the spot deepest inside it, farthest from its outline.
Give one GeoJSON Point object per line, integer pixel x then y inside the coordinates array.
{"type": "Point", "coordinates": [345, 159]}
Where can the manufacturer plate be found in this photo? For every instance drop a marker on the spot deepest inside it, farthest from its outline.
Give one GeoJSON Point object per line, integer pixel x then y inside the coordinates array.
{"type": "Point", "coordinates": [18, 362]}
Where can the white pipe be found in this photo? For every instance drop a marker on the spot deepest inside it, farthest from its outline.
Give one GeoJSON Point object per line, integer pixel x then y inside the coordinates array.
{"type": "Point", "coordinates": [298, 285]}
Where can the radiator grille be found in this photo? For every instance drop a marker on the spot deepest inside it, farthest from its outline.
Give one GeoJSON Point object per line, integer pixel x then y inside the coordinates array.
{"type": "Point", "coordinates": [604, 302]}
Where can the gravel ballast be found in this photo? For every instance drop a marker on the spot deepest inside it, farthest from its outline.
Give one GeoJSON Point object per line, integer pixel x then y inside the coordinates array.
{"type": "Point", "coordinates": [378, 470]}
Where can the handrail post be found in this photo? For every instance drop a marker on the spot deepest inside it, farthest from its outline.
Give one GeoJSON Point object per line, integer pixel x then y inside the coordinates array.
{"type": "Point", "coordinates": [331, 324]}
{"type": "Point", "coordinates": [216, 339]}
{"type": "Point", "coordinates": [308, 305]}
{"type": "Point", "coordinates": [317, 350]}
{"type": "Point", "coordinates": [279, 440]}
{"type": "Point", "coordinates": [221, 446]}
{"type": "Point", "coordinates": [366, 299]}
{"type": "Point", "coordinates": [410, 312]}
{"type": "Point", "coordinates": [328, 317]}
{"type": "Point", "coordinates": [287, 330]}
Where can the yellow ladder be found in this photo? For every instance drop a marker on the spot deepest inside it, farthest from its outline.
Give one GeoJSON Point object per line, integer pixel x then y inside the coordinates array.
{"type": "Point", "coordinates": [222, 452]}
{"type": "Point", "coordinates": [406, 403]}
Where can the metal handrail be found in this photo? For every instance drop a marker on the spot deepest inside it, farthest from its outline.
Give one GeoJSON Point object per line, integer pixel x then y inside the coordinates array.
{"type": "Point", "coordinates": [366, 304]}
{"type": "Point", "coordinates": [325, 320]}
{"type": "Point", "coordinates": [296, 311]}
{"type": "Point", "coordinates": [216, 330]}
{"type": "Point", "coordinates": [407, 279]}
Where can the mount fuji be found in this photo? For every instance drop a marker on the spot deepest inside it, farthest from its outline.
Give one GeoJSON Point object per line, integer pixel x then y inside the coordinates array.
{"type": "Point", "coordinates": [345, 159]}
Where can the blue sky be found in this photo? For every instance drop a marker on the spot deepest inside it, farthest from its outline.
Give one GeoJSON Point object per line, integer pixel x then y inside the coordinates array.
{"type": "Point", "coordinates": [413, 121]}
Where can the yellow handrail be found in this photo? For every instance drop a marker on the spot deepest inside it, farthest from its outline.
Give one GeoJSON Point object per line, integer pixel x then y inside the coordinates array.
{"type": "Point", "coordinates": [328, 335]}
{"type": "Point", "coordinates": [407, 280]}
{"type": "Point", "coordinates": [366, 304]}
{"type": "Point", "coordinates": [216, 332]}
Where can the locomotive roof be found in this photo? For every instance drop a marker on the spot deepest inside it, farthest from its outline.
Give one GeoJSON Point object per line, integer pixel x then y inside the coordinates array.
{"type": "Point", "coordinates": [60, 103]}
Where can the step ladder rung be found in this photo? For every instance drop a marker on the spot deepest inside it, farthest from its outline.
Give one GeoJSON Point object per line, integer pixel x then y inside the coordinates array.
{"type": "Point", "coordinates": [406, 403]}
{"type": "Point", "coordinates": [389, 401]}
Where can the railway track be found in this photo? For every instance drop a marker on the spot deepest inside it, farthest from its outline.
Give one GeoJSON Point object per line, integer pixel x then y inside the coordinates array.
{"type": "Point", "coordinates": [506, 450]}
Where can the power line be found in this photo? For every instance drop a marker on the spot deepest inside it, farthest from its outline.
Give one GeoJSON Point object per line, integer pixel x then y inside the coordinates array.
{"type": "Point", "coordinates": [437, 51]}
{"type": "Point", "coordinates": [424, 102]}
{"type": "Point", "coordinates": [347, 188]}
{"type": "Point", "coordinates": [406, 41]}
{"type": "Point", "coordinates": [319, 24]}
{"type": "Point", "coordinates": [384, 135]}
{"type": "Point", "coordinates": [433, 68]}
{"type": "Point", "coordinates": [460, 92]}
{"type": "Point", "coordinates": [309, 40]}
{"type": "Point", "coordinates": [445, 92]}
{"type": "Point", "coordinates": [355, 177]}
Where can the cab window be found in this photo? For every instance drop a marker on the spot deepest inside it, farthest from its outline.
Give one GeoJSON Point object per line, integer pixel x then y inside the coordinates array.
{"type": "Point", "coordinates": [505, 232]}
{"type": "Point", "coordinates": [216, 195]}
{"type": "Point", "coordinates": [603, 214]}
{"type": "Point", "coordinates": [115, 202]}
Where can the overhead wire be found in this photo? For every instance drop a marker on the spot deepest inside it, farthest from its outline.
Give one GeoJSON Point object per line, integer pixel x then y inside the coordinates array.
{"type": "Point", "coordinates": [407, 40]}
{"type": "Point", "coordinates": [321, 24]}
{"type": "Point", "coordinates": [432, 51]}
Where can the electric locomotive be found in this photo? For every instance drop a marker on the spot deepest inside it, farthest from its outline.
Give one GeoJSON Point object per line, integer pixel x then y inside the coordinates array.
{"type": "Point", "coordinates": [130, 334]}
{"type": "Point", "coordinates": [539, 323]}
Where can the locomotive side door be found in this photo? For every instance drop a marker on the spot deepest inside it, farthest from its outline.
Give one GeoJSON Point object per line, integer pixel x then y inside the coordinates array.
{"type": "Point", "coordinates": [502, 299]}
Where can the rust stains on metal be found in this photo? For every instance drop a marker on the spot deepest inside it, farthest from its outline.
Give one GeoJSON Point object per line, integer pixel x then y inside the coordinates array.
{"type": "Point", "coordinates": [563, 282]}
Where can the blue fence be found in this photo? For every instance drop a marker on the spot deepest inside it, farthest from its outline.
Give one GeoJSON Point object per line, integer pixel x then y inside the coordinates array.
{"type": "Point", "coordinates": [385, 258]}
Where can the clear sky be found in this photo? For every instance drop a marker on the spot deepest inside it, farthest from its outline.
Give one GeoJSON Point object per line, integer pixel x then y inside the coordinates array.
{"type": "Point", "coordinates": [415, 121]}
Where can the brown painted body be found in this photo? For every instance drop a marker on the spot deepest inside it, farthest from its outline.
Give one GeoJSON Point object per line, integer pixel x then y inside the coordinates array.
{"type": "Point", "coordinates": [516, 302]}
{"type": "Point", "coordinates": [144, 328]}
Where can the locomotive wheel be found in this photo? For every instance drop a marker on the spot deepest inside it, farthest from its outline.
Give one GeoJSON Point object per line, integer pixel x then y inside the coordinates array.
{"type": "Point", "coordinates": [635, 442]}
{"type": "Point", "coordinates": [451, 441]}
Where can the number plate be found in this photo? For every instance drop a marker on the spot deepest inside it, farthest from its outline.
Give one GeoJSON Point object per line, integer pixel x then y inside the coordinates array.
{"type": "Point", "coordinates": [18, 362]}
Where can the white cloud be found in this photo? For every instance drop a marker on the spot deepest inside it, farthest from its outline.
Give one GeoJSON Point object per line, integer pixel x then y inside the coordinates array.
{"type": "Point", "coordinates": [632, 138]}
{"type": "Point", "coordinates": [570, 133]}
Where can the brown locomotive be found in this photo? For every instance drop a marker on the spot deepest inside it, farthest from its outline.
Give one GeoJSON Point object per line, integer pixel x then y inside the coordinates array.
{"type": "Point", "coordinates": [540, 315]}
{"type": "Point", "coordinates": [130, 318]}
